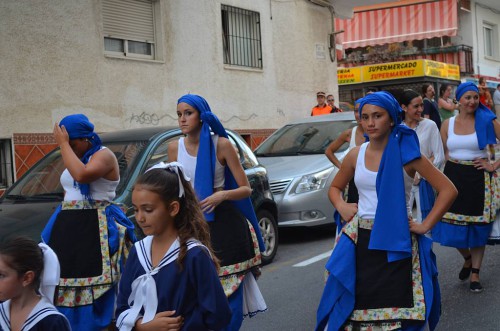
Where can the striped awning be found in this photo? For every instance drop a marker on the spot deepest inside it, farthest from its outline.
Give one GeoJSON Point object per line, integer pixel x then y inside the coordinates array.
{"type": "Point", "coordinates": [388, 25]}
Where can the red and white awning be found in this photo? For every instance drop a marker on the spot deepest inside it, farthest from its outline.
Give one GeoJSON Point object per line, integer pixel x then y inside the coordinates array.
{"type": "Point", "coordinates": [382, 26]}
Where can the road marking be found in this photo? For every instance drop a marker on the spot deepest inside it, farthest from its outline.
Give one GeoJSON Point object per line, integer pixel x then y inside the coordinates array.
{"type": "Point", "coordinates": [314, 259]}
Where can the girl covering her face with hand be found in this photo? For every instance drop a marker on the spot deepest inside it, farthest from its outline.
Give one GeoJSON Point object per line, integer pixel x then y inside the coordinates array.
{"type": "Point", "coordinates": [90, 235]}
{"type": "Point", "coordinates": [382, 272]}
{"type": "Point", "coordinates": [28, 274]}
{"type": "Point", "coordinates": [170, 280]}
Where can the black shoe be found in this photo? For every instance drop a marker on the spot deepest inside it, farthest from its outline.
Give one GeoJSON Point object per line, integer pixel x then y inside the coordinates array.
{"type": "Point", "coordinates": [465, 272]}
{"type": "Point", "coordinates": [475, 287]}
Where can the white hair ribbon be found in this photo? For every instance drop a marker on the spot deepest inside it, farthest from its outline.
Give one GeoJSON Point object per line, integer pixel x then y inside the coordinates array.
{"type": "Point", "coordinates": [49, 278]}
{"type": "Point", "coordinates": [173, 167]}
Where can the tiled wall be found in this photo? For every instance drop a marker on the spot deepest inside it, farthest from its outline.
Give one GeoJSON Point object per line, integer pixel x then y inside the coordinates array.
{"type": "Point", "coordinates": [29, 148]}
{"type": "Point", "coordinates": [254, 137]}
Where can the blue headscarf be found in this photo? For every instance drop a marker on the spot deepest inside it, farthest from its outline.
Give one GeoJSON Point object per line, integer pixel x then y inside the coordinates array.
{"type": "Point", "coordinates": [391, 231]}
{"type": "Point", "coordinates": [79, 126]}
{"type": "Point", "coordinates": [484, 117]}
{"type": "Point", "coordinates": [205, 165]}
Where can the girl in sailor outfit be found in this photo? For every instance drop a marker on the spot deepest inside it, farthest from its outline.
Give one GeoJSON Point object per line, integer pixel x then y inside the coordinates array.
{"type": "Point", "coordinates": [28, 276]}
{"type": "Point", "coordinates": [170, 279]}
{"type": "Point", "coordinates": [383, 274]}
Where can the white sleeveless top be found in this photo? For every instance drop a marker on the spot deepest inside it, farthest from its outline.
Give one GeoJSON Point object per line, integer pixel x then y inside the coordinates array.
{"type": "Point", "coordinates": [366, 180]}
{"type": "Point", "coordinates": [101, 189]}
{"type": "Point", "coordinates": [463, 146]}
{"type": "Point", "coordinates": [189, 163]}
{"type": "Point", "coordinates": [352, 142]}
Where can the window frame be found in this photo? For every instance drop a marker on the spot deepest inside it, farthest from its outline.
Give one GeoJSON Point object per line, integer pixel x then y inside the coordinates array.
{"type": "Point", "coordinates": [126, 37]}
{"type": "Point", "coordinates": [491, 42]}
{"type": "Point", "coordinates": [241, 44]}
{"type": "Point", "coordinates": [6, 163]}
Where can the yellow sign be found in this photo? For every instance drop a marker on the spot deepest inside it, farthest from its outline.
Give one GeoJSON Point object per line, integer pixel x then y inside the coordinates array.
{"type": "Point", "coordinates": [398, 70]}
{"type": "Point", "coordinates": [436, 69]}
{"type": "Point", "coordinates": [349, 75]}
{"type": "Point", "coordinates": [453, 71]}
{"type": "Point", "coordinates": [393, 70]}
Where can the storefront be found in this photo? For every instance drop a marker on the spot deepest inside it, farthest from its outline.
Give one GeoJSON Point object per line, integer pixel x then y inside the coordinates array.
{"type": "Point", "coordinates": [355, 82]}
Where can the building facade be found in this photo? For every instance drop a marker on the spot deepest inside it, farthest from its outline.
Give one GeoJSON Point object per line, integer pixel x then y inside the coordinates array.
{"type": "Point", "coordinates": [124, 63]}
{"type": "Point", "coordinates": [443, 35]}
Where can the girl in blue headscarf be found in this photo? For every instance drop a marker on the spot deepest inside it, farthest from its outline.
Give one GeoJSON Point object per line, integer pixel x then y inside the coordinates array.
{"type": "Point", "coordinates": [223, 190]}
{"type": "Point", "coordinates": [90, 235]}
{"type": "Point", "coordinates": [468, 223]}
{"type": "Point", "coordinates": [382, 272]}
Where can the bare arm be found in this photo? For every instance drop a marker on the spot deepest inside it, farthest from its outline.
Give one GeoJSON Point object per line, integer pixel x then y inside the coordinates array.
{"type": "Point", "coordinates": [227, 153]}
{"type": "Point", "coordinates": [339, 183]}
{"type": "Point", "coordinates": [103, 163]}
{"type": "Point", "coordinates": [172, 149]}
{"type": "Point", "coordinates": [442, 103]}
{"type": "Point", "coordinates": [444, 137]}
{"type": "Point", "coordinates": [335, 145]}
{"type": "Point", "coordinates": [446, 194]}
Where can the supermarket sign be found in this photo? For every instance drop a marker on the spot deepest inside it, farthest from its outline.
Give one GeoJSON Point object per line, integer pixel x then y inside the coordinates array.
{"type": "Point", "coordinates": [397, 70]}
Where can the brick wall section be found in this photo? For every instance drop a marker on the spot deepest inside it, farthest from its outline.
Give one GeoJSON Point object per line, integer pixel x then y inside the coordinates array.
{"type": "Point", "coordinates": [29, 148]}
{"type": "Point", "coordinates": [254, 137]}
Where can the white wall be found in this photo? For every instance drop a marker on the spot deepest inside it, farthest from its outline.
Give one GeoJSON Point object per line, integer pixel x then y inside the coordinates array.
{"type": "Point", "coordinates": [490, 13]}
{"type": "Point", "coordinates": [53, 64]}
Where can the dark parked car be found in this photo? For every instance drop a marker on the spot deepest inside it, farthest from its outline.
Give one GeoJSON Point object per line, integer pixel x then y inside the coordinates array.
{"type": "Point", "coordinates": [28, 204]}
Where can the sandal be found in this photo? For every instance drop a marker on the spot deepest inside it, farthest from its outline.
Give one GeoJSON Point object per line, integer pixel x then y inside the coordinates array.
{"type": "Point", "coordinates": [475, 287]}
{"type": "Point", "coordinates": [465, 272]}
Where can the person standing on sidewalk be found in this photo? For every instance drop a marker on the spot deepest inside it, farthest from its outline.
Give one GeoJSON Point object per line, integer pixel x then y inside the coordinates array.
{"type": "Point", "coordinates": [496, 100]}
{"type": "Point", "coordinates": [430, 107]}
{"type": "Point", "coordinates": [321, 108]}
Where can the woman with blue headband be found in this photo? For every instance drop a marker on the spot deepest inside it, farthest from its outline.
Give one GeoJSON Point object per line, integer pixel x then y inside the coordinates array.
{"type": "Point", "coordinates": [468, 223]}
{"type": "Point", "coordinates": [90, 235]}
{"type": "Point", "coordinates": [383, 273]}
{"type": "Point", "coordinates": [224, 193]}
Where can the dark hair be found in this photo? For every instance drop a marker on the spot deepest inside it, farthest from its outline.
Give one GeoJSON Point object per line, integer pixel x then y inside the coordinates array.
{"type": "Point", "coordinates": [425, 87]}
{"type": "Point", "coordinates": [407, 96]}
{"type": "Point", "coordinates": [443, 89]}
{"type": "Point", "coordinates": [23, 255]}
{"type": "Point", "coordinates": [481, 80]}
{"type": "Point", "coordinates": [189, 222]}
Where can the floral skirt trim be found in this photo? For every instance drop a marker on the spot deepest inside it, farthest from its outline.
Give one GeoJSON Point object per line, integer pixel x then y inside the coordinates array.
{"type": "Point", "coordinates": [231, 276]}
{"type": "Point", "coordinates": [491, 201]}
{"type": "Point", "coordinates": [385, 326]}
{"type": "Point", "coordinates": [387, 317]}
{"type": "Point", "coordinates": [74, 292]}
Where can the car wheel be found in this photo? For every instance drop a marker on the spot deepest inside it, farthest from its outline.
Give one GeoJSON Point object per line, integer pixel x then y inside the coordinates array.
{"type": "Point", "coordinates": [269, 230]}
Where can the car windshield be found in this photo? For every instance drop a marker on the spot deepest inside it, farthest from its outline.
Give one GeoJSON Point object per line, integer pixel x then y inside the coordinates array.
{"type": "Point", "coordinates": [42, 181]}
{"type": "Point", "coordinates": [303, 138]}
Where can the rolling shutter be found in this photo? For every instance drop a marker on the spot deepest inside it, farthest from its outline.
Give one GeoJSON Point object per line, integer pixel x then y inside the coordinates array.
{"type": "Point", "coordinates": [128, 19]}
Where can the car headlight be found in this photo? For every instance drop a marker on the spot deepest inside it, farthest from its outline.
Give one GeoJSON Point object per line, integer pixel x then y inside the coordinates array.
{"type": "Point", "coordinates": [313, 182]}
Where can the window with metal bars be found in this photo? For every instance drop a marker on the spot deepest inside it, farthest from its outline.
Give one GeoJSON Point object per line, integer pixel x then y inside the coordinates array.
{"type": "Point", "coordinates": [6, 167]}
{"type": "Point", "coordinates": [241, 37]}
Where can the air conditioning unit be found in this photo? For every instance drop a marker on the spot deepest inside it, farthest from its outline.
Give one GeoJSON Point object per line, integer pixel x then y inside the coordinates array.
{"type": "Point", "coordinates": [322, 3]}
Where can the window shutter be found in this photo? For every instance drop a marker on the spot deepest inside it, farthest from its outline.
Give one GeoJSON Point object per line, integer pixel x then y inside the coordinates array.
{"type": "Point", "coordinates": [128, 19]}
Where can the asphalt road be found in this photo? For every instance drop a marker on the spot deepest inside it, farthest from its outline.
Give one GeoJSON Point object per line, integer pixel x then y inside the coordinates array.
{"type": "Point", "coordinates": [292, 286]}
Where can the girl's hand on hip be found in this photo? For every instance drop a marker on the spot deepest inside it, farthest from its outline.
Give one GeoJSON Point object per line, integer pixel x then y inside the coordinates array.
{"type": "Point", "coordinates": [348, 210]}
{"type": "Point", "coordinates": [417, 228]}
{"type": "Point", "coordinates": [209, 203]}
{"type": "Point", "coordinates": [483, 164]}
